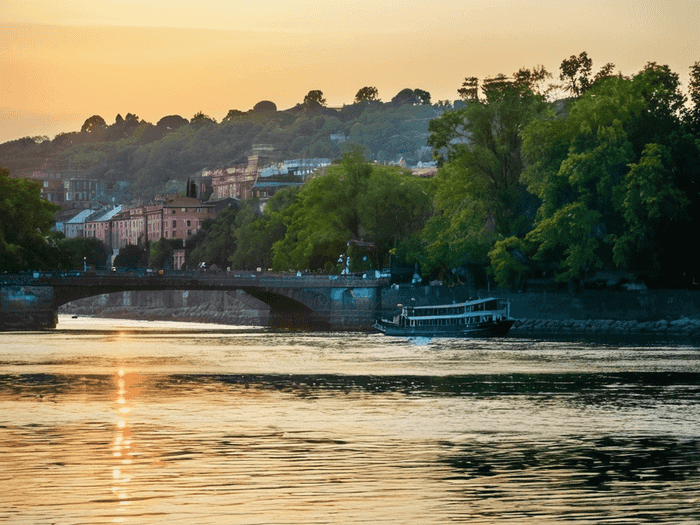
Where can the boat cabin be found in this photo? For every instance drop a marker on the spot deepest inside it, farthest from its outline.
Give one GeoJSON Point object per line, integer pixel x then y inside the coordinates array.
{"type": "Point", "coordinates": [472, 312]}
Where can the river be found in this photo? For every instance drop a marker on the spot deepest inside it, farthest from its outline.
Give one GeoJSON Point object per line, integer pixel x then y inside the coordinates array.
{"type": "Point", "coordinates": [113, 421]}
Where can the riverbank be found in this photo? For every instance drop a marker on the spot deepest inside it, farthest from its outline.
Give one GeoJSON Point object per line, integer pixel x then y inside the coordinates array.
{"type": "Point", "coordinates": [679, 328]}
{"type": "Point", "coordinates": [538, 315]}
{"type": "Point", "coordinates": [535, 328]}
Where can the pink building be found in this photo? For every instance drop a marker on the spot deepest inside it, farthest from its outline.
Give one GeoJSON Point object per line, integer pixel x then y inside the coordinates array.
{"type": "Point", "coordinates": [183, 217]}
{"type": "Point", "coordinates": [177, 218]}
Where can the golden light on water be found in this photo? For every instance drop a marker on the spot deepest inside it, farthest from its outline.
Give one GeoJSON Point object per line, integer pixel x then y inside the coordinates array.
{"type": "Point", "coordinates": [127, 390]}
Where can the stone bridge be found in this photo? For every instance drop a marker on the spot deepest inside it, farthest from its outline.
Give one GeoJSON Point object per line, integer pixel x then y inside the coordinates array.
{"type": "Point", "coordinates": [30, 301]}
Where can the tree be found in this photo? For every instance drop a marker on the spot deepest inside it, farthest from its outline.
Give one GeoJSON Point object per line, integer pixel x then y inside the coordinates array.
{"type": "Point", "coordinates": [219, 241]}
{"type": "Point", "coordinates": [422, 96]}
{"type": "Point", "coordinates": [200, 119]}
{"type": "Point", "coordinates": [478, 194]}
{"type": "Point", "coordinates": [232, 115]}
{"type": "Point", "coordinates": [411, 96]}
{"type": "Point", "coordinates": [161, 253]}
{"type": "Point", "coordinates": [485, 139]}
{"type": "Point", "coordinates": [469, 91]}
{"type": "Point", "coordinates": [25, 221]}
{"type": "Point", "coordinates": [265, 106]}
{"type": "Point", "coordinates": [530, 79]}
{"type": "Point", "coordinates": [693, 115]}
{"type": "Point", "coordinates": [92, 123]}
{"type": "Point", "coordinates": [172, 121]}
{"type": "Point", "coordinates": [576, 72]}
{"type": "Point", "coordinates": [367, 94]}
{"type": "Point", "coordinates": [131, 256]}
{"type": "Point", "coordinates": [352, 201]}
{"type": "Point", "coordinates": [314, 97]}
{"type": "Point", "coordinates": [80, 251]}
{"type": "Point", "coordinates": [617, 180]}
{"type": "Point", "coordinates": [256, 233]}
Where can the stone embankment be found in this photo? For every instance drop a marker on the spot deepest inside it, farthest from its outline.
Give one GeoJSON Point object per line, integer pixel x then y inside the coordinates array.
{"type": "Point", "coordinates": [194, 314]}
{"type": "Point", "coordinates": [679, 328]}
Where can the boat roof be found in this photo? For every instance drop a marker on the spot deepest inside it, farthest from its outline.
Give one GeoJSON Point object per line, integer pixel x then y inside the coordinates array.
{"type": "Point", "coordinates": [455, 305]}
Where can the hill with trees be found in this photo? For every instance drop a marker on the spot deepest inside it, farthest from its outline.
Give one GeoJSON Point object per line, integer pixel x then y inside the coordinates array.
{"type": "Point", "coordinates": [605, 179]}
{"type": "Point", "coordinates": [157, 157]}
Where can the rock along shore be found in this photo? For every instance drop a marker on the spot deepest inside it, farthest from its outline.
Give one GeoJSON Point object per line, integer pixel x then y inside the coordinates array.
{"type": "Point", "coordinates": [679, 328]}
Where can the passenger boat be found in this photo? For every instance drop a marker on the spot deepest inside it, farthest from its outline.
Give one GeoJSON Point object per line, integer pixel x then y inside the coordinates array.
{"type": "Point", "coordinates": [479, 318]}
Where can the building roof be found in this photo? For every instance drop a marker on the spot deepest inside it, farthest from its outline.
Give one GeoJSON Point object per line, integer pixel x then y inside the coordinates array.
{"type": "Point", "coordinates": [183, 202]}
{"type": "Point", "coordinates": [109, 214]}
{"type": "Point", "coordinates": [80, 217]}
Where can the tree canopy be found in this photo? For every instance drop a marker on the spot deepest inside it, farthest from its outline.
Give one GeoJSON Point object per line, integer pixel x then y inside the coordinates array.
{"type": "Point", "coordinates": [25, 222]}
{"type": "Point", "coordinates": [367, 94]}
{"type": "Point", "coordinates": [618, 181]}
{"type": "Point", "coordinates": [315, 97]}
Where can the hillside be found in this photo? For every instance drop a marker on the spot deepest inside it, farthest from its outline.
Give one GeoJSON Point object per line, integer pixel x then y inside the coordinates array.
{"type": "Point", "coordinates": [152, 157]}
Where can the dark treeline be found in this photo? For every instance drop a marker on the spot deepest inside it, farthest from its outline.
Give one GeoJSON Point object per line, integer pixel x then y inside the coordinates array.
{"type": "Point", "coordinates": [605, 179]}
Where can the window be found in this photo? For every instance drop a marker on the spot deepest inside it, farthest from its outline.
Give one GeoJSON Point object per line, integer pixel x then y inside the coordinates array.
{"type": "Point", "coordinates": [188, 224]}
{"type": "Point", "coordinates": [174, 224]}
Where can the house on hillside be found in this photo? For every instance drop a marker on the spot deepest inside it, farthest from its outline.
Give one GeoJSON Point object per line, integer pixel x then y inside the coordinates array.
{"type": "Point", "coordinates": [236, 181]}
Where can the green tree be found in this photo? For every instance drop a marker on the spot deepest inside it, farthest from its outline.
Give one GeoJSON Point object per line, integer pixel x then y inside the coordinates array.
{"type": "Point", "coordinates": [94, 122]}
{"type": "Point", "coordinates": [367, 94]}
{"type": "Point", "coordinates": [219, 241]}
{"type": "Point", "coordinates": [90, 251]}
{"type": "Point", "coordinates": [314, 97]}
{"type": "Point", "coordinates": [131, 256]}
{"type": "Point", "coordinates": [479, 189]}
{"type": "Point", "coordinates": [617, 180]}
{"type": "Point", "coordinates": [161, 253]}
{"type": "Point", "coordinates": [411, 96]}
{"type": "Point", "coordinates": [25, 221]}
{"type": "Point", "coordinates": [693, 115]}
{"type": "Point", "coordinates": [576, 73]}
{"type": "Point", "coordinates": [352, 201]}
{"type": "Point", "coordinates": [200, 118]}
{"type": "Point", "coordinates": [256, 233]}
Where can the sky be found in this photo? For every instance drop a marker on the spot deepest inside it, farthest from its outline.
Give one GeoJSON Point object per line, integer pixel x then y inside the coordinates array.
{"type": "Point", "coordinates": [62, 62]}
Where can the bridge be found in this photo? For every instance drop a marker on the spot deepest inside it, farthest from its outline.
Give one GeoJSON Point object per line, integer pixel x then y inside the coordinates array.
{"type": "Point", "coordinates": [30, 301]}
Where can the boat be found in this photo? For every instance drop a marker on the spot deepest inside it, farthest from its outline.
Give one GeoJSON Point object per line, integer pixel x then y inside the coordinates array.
{"type": "Point", "coordinates": [488, 317]}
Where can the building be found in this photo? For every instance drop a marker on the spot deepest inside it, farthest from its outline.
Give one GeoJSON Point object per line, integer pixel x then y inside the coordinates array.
{"type": "Point", "coordinates": [236, 182]}
{"type": "Point", "coordinates": [51, 186]}
{"type": "Point", "coordinates": [100, 225]}
{"type": "Point", "coordinates": [177, 218]}
{"type": "Point", "coordinates": [79, 191]}
{"type": "Point", "coordinates": [302, 168]}
{"type": "Point", "coordinates": [75, 227]}
{"type": "Point", "coordinates": [183, 217]}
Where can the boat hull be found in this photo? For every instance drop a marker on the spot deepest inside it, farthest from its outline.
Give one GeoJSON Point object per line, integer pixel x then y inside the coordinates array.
{"type": "Point", "coordinates": [489, 329]}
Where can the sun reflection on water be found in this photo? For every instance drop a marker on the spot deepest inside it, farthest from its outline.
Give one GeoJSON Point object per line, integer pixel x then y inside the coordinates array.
{"type": "Point", "coordinates": [127, 390]}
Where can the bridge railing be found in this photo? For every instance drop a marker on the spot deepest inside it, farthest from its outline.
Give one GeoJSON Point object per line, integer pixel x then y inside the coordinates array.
{"type": "Point", "coordinates": [185, 278]}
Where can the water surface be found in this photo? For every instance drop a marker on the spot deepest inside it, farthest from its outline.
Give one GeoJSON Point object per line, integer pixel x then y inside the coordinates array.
{"type": "Point", "coordinates": [140, 422]}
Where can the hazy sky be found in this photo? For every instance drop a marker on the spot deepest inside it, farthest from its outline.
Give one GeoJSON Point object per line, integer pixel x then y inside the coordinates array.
{"type": "Point", "coordinates": [61, 62]}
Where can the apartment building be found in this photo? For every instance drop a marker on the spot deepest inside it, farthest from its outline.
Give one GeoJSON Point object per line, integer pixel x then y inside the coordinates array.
{"type": "Point", "coordinates": [177, 218]}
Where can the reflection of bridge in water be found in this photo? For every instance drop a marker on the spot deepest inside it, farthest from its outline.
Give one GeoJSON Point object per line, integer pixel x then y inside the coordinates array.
{"type": "Point", "coordinates": [30, 301]}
